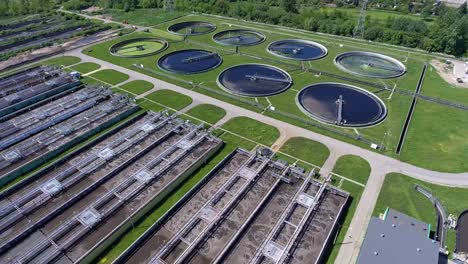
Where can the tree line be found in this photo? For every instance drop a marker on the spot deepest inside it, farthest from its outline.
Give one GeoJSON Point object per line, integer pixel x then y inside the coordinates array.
{"type": "Point", "coordinates": [439, 28]}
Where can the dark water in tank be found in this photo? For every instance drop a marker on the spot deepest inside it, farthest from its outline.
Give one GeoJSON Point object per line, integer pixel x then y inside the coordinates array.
{"type": "Point", "coordinates": [239, 37]}
{"type": "Point", "coordinates": [192, 28]}
{"type": "Point", "coordinates": [359, 108]}
{"type": "Point", "coordinates": [189, 61]}
{"type": "Point", "coordinates": [297, 49]}
{"type": "Point", "coordinates": [462, 233]}
{"type": "Point", "coordinates": [255, 80]}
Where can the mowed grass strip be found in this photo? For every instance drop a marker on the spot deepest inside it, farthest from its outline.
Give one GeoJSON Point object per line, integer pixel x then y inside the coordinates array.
{"type": "Point", "coordinates": [137, 87]}
{"type": "Point", "coordinates": [207, 112]}
{"type": "Point", "coordinates": [306, 149]}
{"type": "Point", "coordinates": [170, 99]}
{"type": "Point", "coordinates": [353, 167]}
{"type": "Point", "coordinates": [110, 76]}
{"type": "Point", "coordinates": [142, 16]}
{"type": "Point", "coordinates": [253, 130]}
{"type": "Point", "coordinates": [398, 192]}
{"type": "Point", "coordinates": [86, 67]}
{"type": "Point", "coordinates": [62, 61]}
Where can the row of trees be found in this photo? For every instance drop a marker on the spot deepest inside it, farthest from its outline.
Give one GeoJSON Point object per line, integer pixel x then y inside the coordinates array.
{"type": "Point", "coordinates": [447, 32]}
{"type": "Point", "coordinates": [23, 7]}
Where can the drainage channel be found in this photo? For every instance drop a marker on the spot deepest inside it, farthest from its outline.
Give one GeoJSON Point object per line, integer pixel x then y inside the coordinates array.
{"type": "Point", "coordinates": [237, 211]}
{"type": "Point", "coordinates": [24, 93]}
{"type": "Point", "coordinates": [117, 202]}
{"type": "Point", "coordinates": [31, 123]}
{"type": "Point", "coordinates": [248, 183]}
{"type": "Point", "coordinates": [57, 138]}
{"type": "Point", "coordinates": [26, 209]}
{"type": "Point", "coordinates": [242, 249]}
{"type": "Point", "coordinates": [278, 243]}
{"type": "Point", "coordinates": [410, 111]}
{"type": "Point", "coordinates": [173, 221]}
{"type": "Point", "coordinates": [27, 78]}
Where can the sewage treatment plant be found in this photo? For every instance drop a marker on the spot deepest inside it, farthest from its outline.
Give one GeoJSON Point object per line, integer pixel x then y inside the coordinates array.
{"type": "Point", "coordinates": [205, 139]}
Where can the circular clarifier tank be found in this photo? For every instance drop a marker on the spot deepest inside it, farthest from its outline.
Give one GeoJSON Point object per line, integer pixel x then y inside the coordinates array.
{"type": "Point", "coordinates": [254, 80]}
{"type": "Point", "coordinates": [239, 37]}
{"type": "Point", "coordinates": [191, 28]}
{"type": "Point", "coordinates": [369, 64]}
{"type": "Point", "coordinates": [297, 49]}
{"type": "Point", "coordinates": [341, 104]}
{"type": "Point", "coordinates": [190, 61]}
{"type": "Point", "coordinates": [138, 47]}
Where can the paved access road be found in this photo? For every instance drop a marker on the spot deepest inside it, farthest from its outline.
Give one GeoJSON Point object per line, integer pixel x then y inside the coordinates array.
{"type": "Point", "coordinates": [381, 165]}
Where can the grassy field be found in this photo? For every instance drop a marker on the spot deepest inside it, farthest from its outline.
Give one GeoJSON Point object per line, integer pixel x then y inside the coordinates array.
{"type": "Point", "coordinates": [253, 130]}
{"type": "Point", "coordinates": [137, 87]}
{"type": "Point", "coordinates": [398, 193]}
{"type": "Point", "coordinates": [378, 14]}
{"type": "Point", "coordinates": [142, 17]}
{"type": "Point", "coordinates": [170, 99]}
{"type": "Point", "coordinates": [208, 113]}
{"type": "Point", "coordinates": [354, 167]}
{"type": "Point", "coordinates": [86, 67]}
{"type": "Point", "coordinates": [307, 150]}
{"type": "Point", "coordinates": [62, 61]}
{"type": "Point", "coordinates": [386, 133]}
{"type": "Point", "coordinates": [110, 76]}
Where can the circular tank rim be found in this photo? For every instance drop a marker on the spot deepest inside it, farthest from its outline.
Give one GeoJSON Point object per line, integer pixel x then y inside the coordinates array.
{"type": "Point", "coordinates": [327, 122]}
{"type": "Point", "coordinates": [188, 73]}
{"type": "Point", "coordinates": [127, 41]}
{"type": "Point", "coordinates": [260, 34]}
{"type": "Point", "coordinates": [253, 96]}
{"type": "Point", "coordinates": [322, 47]}
{"type": "Point", "coordinates": [458, 236]}
{"type": "Point", "coordinates": [213, 28]}
{"type": "Point", "coordinates": [397, 62]}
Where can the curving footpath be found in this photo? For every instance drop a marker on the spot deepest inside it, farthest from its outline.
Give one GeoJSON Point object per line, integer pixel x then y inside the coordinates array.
{"type": "Point", "coordinates": [381, 165]}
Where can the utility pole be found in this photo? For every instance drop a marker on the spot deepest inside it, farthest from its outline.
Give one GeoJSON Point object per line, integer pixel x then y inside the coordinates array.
{"type": "Point", "coordinates": [359, 29]}
{"type": "Point", "coordinates": [169, 5]}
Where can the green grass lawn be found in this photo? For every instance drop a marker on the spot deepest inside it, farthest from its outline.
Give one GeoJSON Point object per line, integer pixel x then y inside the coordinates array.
{"type": "Point", "coordinates": [307, 150]}
{"type": "Point", "coordinates": [439, 131]}
{"type": "Point", "coordinates": [170, 99]}
{"type": "Point", "coordinates": [142, 17]}
{"type": "Point", "coordinates": [353, 167]}
{"type": "Point", "coordinates": [86, 67]}
{"type": "Point", "coordinates": [398, 193]}
{"type": "Point", "coordinates": [253, 130]}
{"type": "Point", "coordinates": [207, 112]}
{"type": "Point", "coordinates": [137, 87]}
{"type": "Point", "coordinates": [110, 76]}
{"type": "Point", "coordinates": [378, 14]}
{"type": "Point", "coordinates": [62, 61]}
